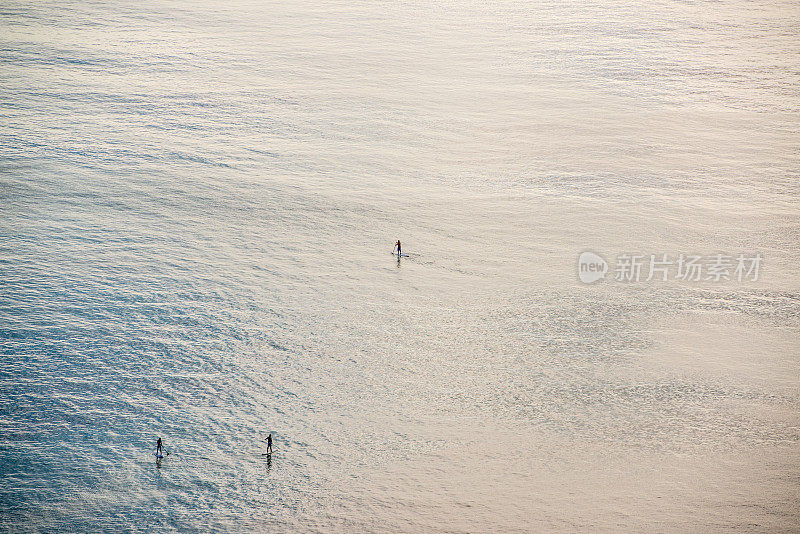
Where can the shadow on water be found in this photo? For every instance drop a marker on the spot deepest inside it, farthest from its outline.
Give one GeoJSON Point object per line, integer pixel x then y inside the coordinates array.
{"type": "Point", "coordinates": [160, 459]}
{"type": "Point", "coordinates": [159, 481]}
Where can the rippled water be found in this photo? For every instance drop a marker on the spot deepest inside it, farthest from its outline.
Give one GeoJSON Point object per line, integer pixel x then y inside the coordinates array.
{"type": "Point", "coordinates": [198, 201]}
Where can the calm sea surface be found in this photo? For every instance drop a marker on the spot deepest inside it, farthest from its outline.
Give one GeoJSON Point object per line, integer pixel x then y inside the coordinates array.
{"type": "Point", "coordinates": [198, 201]}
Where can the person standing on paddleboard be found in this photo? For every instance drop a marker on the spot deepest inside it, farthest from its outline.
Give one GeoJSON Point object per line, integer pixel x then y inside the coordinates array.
{"type": "Point", "coordinates": [399, 249]}
{"type": "Point", "coordinates": [159, 452]}
{"type": "Point", "coordinates": [269, 443]}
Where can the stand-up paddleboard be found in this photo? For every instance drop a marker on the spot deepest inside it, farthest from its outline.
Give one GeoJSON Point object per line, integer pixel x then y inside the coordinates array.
{"type": "Point", "coordinates": [159, 456]}
{"type": "Point", "coordinates": [401, 255]}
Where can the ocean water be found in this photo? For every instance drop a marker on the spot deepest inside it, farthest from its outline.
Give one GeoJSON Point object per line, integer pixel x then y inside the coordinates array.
{"type": "Point", "coordinates": [198, 201]}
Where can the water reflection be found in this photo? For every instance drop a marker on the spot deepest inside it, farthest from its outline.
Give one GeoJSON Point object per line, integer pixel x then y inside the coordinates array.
{"type": "Point", "coordinates": [269, 459]}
